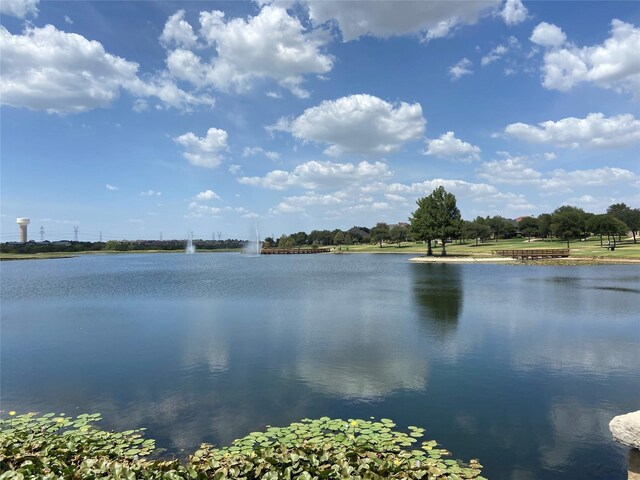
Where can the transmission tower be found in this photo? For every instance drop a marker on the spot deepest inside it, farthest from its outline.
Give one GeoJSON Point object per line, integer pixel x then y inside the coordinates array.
{"type": "Point", "coordinates": [219, 235]}
{"type": "Point", "coordinates": [100, 236]}
{"type": "Point", "coordinates": [42, 234]}
{"type": "Point", "coordinates": [160, 236]}
{"type": "Point", "coordinates": [75, 233]}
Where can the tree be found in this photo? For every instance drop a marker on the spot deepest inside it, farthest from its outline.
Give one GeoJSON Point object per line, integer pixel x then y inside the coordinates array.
{"type": "Point", "coordinates": [529, 227]}
{"type": "Point", "coordinates": [286, 241]}
{"type": "Point", "coordinates": [631, 217]}
{"type": "Point", "coordinates": [475, 230]}
{"type": "Point", "coordinates": [268, 242]}
{"type": "Point", "coordinates": [606, 225]}
{"type": "Point", "coordinates": [398, 233]}
{"type": "Point", "coordinates": [339, 239]}
{"type": "Point", "coordinates": [568, 222]}
{"type": "Point", "coordinates": [437, 217]}
{"type": "Point", "coordinates": [500, 227]}
{"type": "Point", "coordinates": [544, 225]}
{"type": "Point", "coordinates": [380, 232]}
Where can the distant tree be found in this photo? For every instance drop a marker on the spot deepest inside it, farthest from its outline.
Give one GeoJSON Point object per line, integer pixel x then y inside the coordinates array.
{"type": "Point", "coordinates": [268, 242]}
{"type": "Point", "coordinates": [500, 227]}
{"type": "Point", "coordinates": [606, 225]}
{"type": "Point", "coordinates": [529, 227]}
{"type": "Point", "coordinates": [475, 230]}
{"type": "Point", "coordinates": [300, 238]}
{"type": "Point", "coordinates": [568, 222]}
{"type": "Point", "coordinates": [437, 217]}
{"type": "Point", "coordinates": [339, 239]}
{"type": "Point", "coordinates": [286, 241]}
{"type": "Point", "coordinates": [544, 225]}
{"type": "Point", "coordinates": [379, 233]}
{"type": "Point", "coordinates": [630, 216]}
{"type": "Point", "coordinates": [398, 233]}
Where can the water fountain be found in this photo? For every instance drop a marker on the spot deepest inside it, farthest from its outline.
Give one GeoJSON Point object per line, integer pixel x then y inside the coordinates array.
{"type": "Point", "coordinates": [253, 248]}
{"type": "Point", "coordinates": [190, 247]}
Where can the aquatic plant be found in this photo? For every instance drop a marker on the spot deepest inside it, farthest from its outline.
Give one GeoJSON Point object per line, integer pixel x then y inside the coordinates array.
{"type": "Point", "coordinates": [57, 446]}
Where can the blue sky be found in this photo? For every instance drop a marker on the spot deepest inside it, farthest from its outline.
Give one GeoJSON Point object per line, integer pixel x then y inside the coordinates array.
{"type": "Point", "coordinates": [136, 118]}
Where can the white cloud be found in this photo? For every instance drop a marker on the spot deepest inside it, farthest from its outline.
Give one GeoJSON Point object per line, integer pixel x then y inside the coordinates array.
{"type": "Point", "coordinates": [432, 19]}
{"type": "Point", "coordinates": [450, 147]}
{"type": "Point", "coordinates": [461, 68]}
{"type": "Point", "coordinates": [594, 131]}
{"type": "Point", "coordinates": [48, 69]}
{"type": "Point", "coordinates": [512, 171]}
{"type": "Point", "coordinates": [297, 204]}
{"type": "Point", "coordinates": [111, 187]}
{"type": "Point", "coordinates": [561, 180]}
{"type": "Point", "coordinates": [68, 20]}
{"type": "Point", "coordinates": [252, 151]}
{"type": "Point", "coordinates": [207, 195]}
{"type": "Point", "coordinates": [206, 151]}
{"type": "Point", "coordinates": [150, 193]}
{"type": "Point", "coordinates": [140, 105]}
{"type": "Point", "coordinates": [514, 12]}
{"type": "Point", "coordinates": [548, 35]}
{"type": "Point", "coordinates": [178, 31]}
{"type": "Point", "coordinates": [314, 175]}
{"type": "Point", "coordinates": [358, 124]}
{"type": "Point", "coordinates": [235, 169]}
{"type": "Point", "coordinates": [615, 64]}
{"type": "Point", "coordinates": [196, 211]}
{"type": "Point", "coordinates": [493, 55]}
{"type": "Point", "coordinates": [270, 45]}
{"type": "Point", "coordinates": [19, 8]}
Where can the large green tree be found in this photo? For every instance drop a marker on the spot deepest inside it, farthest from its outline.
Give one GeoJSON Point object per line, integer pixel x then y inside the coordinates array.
{"type": "Point", "coordinates": [437, 217]}
{"type": "Point", "coordinates": [606, 225]}
{"type": "Point", "coordinates": [529, 227]}
{"type": "Point", "coordinates": [630, 216]}
{"type": "Point", "coordinates": [475, 230]}
{"type": "Point", "coordinates": [398, 233]}
{"type": "Point", "coordinates": [379, 233]}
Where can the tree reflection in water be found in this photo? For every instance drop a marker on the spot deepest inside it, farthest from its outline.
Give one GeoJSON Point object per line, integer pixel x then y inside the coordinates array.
{"type": "Point", "coordinates": [437, 291]}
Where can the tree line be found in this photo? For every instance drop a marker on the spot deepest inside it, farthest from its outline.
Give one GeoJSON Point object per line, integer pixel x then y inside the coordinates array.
{"type": "Point", "coordinates": [438, 218]}
{"type": "Point", "coordinates": [32, 247]}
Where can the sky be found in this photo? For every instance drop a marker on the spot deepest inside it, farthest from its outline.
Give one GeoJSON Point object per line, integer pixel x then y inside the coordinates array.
{"type": "Point", "coordinates": [149, 120]}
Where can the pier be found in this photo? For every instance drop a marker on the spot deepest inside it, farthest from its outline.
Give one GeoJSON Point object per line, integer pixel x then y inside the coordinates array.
{"type": "Point", "coordinates": [293, 251]}
{"type": "Point", "coordinates": [533, 254]}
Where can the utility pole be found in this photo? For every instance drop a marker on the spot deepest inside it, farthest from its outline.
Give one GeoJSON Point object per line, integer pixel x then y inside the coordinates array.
{"type": "Point", "coordinates": [41, 234]}
{"type": "Point", "coordinates": [75, 233]}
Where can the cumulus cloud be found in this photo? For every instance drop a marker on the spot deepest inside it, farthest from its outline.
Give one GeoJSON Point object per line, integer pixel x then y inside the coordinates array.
{"type": "Point", "coordinates": [514, 12]}
{"type": "Point", "coordinates": [178, 31]}
{"type": "Point", "coordinates": [463, 67]}
{"type": "Point", "coordinates": [271, 45]}
{"type": "Point", "coordinates": [314, 175]}
{"type": "Point", "coordinates": [450, 147]}
{"type": "Point", "coordinates": [615, 64]}
{"type": "Point", "coordinates": [297, 204]}
{"type": "Point", "coordinates": [358, 124]}
{"type": "Point", "coordinates": [512, 171]}
{"type": "Point", "coordinates": [19, 8]}
{"type": "Point", "coordinates": [111, 187]}
{"type": "Point", "coordinates": [548, 35]}
{"type": "Point", "coordinates": [206, 151]}
{"type": "Point", "coordinates": [253, 151]}
{"type": "Point", "coordinates": [48, 69]}
{"type": "Point", "coordinates": [433, 19]}
{"type": "Point", "coordinates": [150, 193]}
{"type": "Point", "coordinates": [197, 210]}
{"type": "Point", "coordinates": [594, 131]}
{"type": "Point", "coordinates": [207, 195]}
{"type": "Point", "coordinates": [493, 55]}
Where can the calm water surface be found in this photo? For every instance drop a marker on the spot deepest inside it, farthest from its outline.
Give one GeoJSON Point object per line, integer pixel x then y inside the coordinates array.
{"type": "Point", "coordinates": [521, 367]}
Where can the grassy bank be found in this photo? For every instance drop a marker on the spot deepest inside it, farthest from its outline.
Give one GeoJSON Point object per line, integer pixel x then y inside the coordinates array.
{"type": "Point", "coordinates": [51, 255]}
{"type": "Point", "coordinates": [579, 249]}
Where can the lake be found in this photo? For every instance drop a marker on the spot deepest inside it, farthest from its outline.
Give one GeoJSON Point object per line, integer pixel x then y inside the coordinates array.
{"type": "Point", "coordinates": [521, 367]}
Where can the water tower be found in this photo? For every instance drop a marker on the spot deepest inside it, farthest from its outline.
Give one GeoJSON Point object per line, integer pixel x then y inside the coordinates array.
{"type": "Point", "coordinates": [23, 222]}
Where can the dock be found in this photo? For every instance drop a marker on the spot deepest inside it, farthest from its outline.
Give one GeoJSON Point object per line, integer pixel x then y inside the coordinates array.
{"type": "Point", "coordinates": [533, 254]}
{"type": "Point", "coordinates": [293, 251]}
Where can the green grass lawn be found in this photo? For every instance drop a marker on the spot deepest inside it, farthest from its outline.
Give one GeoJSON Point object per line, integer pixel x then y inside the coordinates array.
{"type": "Point", "coordinates": [589, 248]}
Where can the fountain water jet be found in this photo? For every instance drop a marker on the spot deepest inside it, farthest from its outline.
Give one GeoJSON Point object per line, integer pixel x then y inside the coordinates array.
{"type": "Point", "coordinates": [253, 248]}
{"type": "Point", "coordinates": [190, 247]}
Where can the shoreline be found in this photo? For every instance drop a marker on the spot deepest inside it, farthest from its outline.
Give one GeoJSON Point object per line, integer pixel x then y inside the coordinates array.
{"type": "Point", "coordinates": [568, 261]}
